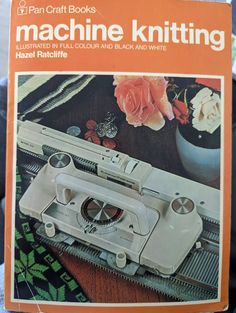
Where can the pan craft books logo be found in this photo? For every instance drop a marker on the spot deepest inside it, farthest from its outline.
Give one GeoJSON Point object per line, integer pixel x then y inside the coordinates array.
{"type": "Point", "coordinates": [22, 8]}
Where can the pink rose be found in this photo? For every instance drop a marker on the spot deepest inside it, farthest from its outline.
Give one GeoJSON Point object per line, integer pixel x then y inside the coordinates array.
{"type": "Point", "coordinates": [143, 99]}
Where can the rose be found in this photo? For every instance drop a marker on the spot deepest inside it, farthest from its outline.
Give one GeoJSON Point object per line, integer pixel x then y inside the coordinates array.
{"type": "Point", "coordinates": [181, 111]}
{"type": "Point", "coordinates": [206, 110]}
{"type": "Point", "coordinates": [135, 100]}
{"type": "Point", "coordinates": [143, 99]}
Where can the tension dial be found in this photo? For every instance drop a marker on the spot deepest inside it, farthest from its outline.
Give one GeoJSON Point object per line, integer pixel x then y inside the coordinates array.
{"type": "Point", "coordinates": [100, 213]}
{"type": "Point", "coordinates": [183, 205]}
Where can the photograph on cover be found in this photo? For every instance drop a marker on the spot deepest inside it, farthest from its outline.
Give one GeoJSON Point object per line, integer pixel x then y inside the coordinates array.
{"type": "Point", "coordinates": [117, 188]}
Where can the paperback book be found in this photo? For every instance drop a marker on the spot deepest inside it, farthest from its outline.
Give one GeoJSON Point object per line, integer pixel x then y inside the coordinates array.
{"type": "Point", "coordinates": [118, 156]}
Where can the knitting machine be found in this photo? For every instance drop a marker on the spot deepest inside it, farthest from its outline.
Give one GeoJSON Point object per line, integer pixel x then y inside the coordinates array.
{"type": "Point", "coordinates": [150, 226]}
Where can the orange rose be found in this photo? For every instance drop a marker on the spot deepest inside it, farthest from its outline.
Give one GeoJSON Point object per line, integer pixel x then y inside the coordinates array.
{"type": "Point", "coordinates": [143, 99]}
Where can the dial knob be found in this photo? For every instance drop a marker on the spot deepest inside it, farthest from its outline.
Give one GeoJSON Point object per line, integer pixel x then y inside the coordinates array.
{"type": "Point", "coordinates": [59, 160]}
{"type": "Point", "coordinates": [183, 205]}
{"type": "Point", "coordinates": [100, 213]}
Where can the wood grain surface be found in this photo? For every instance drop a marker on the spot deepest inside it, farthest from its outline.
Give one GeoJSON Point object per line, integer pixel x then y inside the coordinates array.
{"type": "Point", "coordinates": [103, 286]}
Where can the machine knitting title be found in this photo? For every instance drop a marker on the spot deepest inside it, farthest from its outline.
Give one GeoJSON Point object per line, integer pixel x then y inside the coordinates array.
{"type": "Point", "coordinates": [168, 32]}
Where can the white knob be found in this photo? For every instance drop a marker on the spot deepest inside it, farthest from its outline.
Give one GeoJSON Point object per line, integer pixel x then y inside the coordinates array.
{"type": "Point", "coordinates": [120, 259]}
{"type": "Point", "coordinates": [59, 162]}
{"type": "Point", "coordinates": [182, 213]}
{"type": "Point", "coordinates": [50, 229]}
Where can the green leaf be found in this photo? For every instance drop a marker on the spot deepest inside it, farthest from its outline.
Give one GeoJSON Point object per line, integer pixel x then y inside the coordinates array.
{"type": "Point", "coordinates": [44, 294]}
{"type": "Point", "coordinates": [31, 258]}
{"type": "Point", "coordinates": [23, 258]}
{"type": "Point", "coordinates": [37, 274]}
{"type": "Point", "coordinates": [21, 277]}
{"type": "Point", "coordinates": [52, 291]}
{"type": "Point", "coordinates": [61, 293]}
{"type": "Point", "coordinates": [19, 267]}
{"type": "Point", "coordinates": [29, 278]}
{"type": "Point", "coordinates": [37, 297]}
{"type": "Point", "coordinates": [39, 267]}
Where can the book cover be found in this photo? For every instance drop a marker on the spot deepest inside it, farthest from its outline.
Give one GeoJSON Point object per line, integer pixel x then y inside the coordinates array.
{"type": "Point", "coordinates": [234, 55]}
{"type": "Point", "coordinates": [118, 156]}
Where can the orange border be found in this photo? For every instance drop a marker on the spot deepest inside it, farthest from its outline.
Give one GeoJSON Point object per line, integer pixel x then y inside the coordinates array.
{"type": "Point", "coordinates": [194, 59]}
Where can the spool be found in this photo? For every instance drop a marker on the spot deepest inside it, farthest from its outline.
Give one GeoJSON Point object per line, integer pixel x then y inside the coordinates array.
{"type": "Point", "coordinates": [121, 259]}
{"type": "Point", "coordinates": [50, 229]}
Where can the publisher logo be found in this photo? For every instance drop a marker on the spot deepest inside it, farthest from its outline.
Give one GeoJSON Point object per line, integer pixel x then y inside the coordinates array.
{"type": "Point", "coordinates": [22, 9]}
